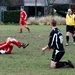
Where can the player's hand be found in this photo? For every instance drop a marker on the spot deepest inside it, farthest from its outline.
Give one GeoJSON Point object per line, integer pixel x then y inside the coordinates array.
{"type": "Point", "coordinates": [43, 49]}
{"type": "Point", "coordinates": [55, 10]}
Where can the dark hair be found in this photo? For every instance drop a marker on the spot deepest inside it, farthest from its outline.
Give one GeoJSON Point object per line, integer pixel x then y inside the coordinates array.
{"type": "Point", "coordinates": [53, 22]}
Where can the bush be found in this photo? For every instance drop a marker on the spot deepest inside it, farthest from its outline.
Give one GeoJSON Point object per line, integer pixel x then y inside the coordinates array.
{"type": "Point", "coordinates": [11, 16]}
{"type": "Point", "coordinates": [31, 20]}
{"type": "Point", "coordinates": [46, 20]}
{"type": "Point", "coordinates": [60, 20]}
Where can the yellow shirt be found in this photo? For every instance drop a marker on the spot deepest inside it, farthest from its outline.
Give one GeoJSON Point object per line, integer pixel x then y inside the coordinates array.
{"type": "Point", "coordinates": [70, 20]}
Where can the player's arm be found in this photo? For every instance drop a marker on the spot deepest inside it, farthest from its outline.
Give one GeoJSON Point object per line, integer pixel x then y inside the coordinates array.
{"type": "Point", "coordinates": [62, 13]}
{"type": "Point", "coordinates": [46, 48]}
{"type": "Point", "coordinates": [25, 16]}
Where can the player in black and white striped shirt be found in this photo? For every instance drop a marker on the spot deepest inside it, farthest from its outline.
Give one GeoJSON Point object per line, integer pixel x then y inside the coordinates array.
{"type": "Point", "coordinates": [56, 40]}
{"type": "Point", "coordinates": [56, 43]}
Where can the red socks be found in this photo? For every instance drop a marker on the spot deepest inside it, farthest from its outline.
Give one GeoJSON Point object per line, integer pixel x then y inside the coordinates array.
{"type": "Point", "coordinates": [17, 43]}
{"type": "Point", "coordinates": [20, 30]}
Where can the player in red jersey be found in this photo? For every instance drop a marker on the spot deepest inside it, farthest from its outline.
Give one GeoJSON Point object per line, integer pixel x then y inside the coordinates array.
{"type": "Point", "coordinates": [7, 46]}
{"type": "Point", "coordinates": [23, 17]}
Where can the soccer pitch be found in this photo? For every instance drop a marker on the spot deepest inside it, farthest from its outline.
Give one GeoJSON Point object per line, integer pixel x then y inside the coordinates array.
{"type": "Point", "coordinates": [30, 61]}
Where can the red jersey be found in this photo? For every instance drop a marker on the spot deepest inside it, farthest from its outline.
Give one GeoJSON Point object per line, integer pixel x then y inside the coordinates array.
{"type": "Point", "coordinates": [23, 16]}
{"type": "Point", "coordinates": [7, 49]}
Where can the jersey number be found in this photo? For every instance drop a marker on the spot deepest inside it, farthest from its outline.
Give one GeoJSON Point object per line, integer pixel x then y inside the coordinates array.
{"type": "Point", "coordinates": [61, 39]}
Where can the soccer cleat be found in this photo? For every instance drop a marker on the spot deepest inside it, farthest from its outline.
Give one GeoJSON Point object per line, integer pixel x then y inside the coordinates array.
{"type": "Point", "coordinates": [70, 64]}
{"type": "Point", "coordinates": [25, 45]}
{"type": "Point", "coordinates": [19, 32]}
{"type": "Point", "coordinates": [29, 31]}
{"type": "Point", "coordinates": [67, 44]}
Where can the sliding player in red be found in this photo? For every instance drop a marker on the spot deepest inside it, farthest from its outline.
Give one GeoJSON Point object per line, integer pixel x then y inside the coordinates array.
{"type": "Point", "coordinates": [23, 17]}
{"type": "Point", "coordinates": [7, 46]}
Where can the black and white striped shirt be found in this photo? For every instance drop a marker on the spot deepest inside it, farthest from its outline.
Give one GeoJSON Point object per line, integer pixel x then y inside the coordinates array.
{"type": "Point", "coordinates": [56, 40]}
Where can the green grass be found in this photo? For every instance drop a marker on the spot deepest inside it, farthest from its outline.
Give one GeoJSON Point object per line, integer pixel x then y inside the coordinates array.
{"type": "Point", "coordinates": [30, 61]}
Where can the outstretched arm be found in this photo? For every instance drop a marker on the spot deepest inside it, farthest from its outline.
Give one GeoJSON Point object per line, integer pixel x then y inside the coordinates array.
{"type": "Point", "coordinates": [62, 13]}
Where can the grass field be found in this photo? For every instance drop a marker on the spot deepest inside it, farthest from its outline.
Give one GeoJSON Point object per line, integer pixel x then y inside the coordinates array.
{"type": "Point", "coordinates": [30, 61]}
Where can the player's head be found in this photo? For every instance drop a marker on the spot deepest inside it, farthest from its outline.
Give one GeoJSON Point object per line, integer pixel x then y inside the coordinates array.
{"type": "Point", "coordinates": [53, 23]}
{"type": "Point", "coordinates": [22, 8]}
{"type": "Point", "coordinates": [69, 11]}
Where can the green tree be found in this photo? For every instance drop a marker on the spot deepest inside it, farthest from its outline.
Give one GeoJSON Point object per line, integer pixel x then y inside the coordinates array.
{"type": "Point", "coordinates": [50, 6]}
{"type": "Point", "coordinates": [3, 3]}
{"type": "Point", "coordinates": [7, 2]}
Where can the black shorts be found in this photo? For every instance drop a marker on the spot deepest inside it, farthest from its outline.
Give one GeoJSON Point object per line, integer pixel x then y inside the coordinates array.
{"type": "Point", "coordinates": [57, 55]}
{"type": "Point", "coordinates": [70, 29]}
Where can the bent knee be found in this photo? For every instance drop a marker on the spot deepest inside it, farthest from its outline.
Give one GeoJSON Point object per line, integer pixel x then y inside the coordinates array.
{"type": "Point", "coordinates": [68, 33]}
{"type": "Point", "coordinates": [9, 38]}
{"type": "Point", "coordinates": [52, 66]}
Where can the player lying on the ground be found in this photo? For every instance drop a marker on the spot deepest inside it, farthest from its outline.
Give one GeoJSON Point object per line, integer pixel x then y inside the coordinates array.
{"type": "Point", "coordinates": [7, 46]}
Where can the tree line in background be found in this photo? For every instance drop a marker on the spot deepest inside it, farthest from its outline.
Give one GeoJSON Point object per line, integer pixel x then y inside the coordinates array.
{"type": "Point", "coordinates": [7, 2]}
{"type": "Point", "coordinates": [13, 16]}
{"type": "Point", "coordinates": [50, 6]}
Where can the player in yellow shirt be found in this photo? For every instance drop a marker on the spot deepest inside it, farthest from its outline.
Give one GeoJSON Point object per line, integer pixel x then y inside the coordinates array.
{"type": "Point", "coordinates": [70, 26]}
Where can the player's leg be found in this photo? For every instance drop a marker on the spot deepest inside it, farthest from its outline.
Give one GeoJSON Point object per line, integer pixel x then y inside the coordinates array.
{"type": "Point", "coordinates": [13, 41]}
{"type": "Point", "coordinates": [18, 43]}
{"type": "Point", "coordinates": [59, 64]}
{"type": "Point", "coordinates": [67, 35]}
{"type": "Point", "coordinates": [27, 28]}
{"type": "Point", "coordinates": [67, 38]}
{"type": "Point", "coordinates": [21, 26]}
{"type": "Point", "coordinates": [53, 64]}
{"type": "Point", "coordinates": [56, 63]}
{"type": "Point", "coordinates": [56, 58]}
{"type": "Point", "coordinates": [64, 64]}
{"type": "Point", "coordinates": [25, 25]}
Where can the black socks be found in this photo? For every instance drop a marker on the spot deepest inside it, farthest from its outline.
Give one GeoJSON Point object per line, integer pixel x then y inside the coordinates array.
{"type": "Point", "coordinates": [67, 39]}
{"type": "Point", "coordinates": [61, 64]}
